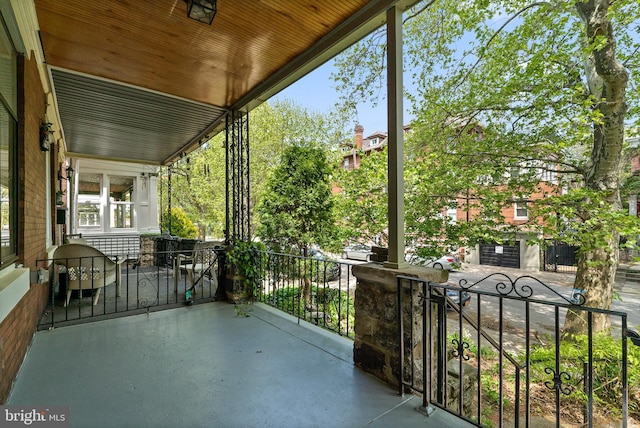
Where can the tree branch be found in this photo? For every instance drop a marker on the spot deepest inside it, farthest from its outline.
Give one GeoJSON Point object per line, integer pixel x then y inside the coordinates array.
{"type": "Point", "coordinates": [481, 56]}
{"type": "Point", "coordinates": [419, 11]}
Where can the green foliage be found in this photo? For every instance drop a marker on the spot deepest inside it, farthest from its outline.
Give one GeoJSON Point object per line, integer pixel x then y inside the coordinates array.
{"type": "Point", "coordinates": [296, 209]}
{"type": "Point", "coordinates": [198, 187]}
{"type": "Point", "coordinates": [362, 201]}
{"type": "Point", "coordinates": [607, 370]}
{"type": "Point", "coordinates": [336, 306]}
{"type": "Point", "coordinates": [242, 311]}
{"type": "Point", "coordinates": [198, 180]}
{"type": "Point", "coordinates": [181, 225]}
{"type": "Point", "coordinates": [509, 107]}
{"type": "Point", "coordinates": [248, 260]}
{"type": "Point", "coordinates": [274, 126]}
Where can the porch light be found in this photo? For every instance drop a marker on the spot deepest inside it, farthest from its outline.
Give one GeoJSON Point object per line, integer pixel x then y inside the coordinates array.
{"type": "Point", "coordinates": [202, 10]}
{"type": "Point", "coordinates": [69, 171]}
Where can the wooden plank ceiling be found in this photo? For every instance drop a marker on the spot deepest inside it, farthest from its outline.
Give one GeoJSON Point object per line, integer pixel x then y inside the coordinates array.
{"type": "Point", "coordinates": [141, 75]}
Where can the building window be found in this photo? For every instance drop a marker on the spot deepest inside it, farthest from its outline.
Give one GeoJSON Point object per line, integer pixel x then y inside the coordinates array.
{"type": "Point", "coordinates": [89, 191]}
{"type": "Point", "coordinates": [521, 211]}
{"type": "Point", "coordinates": [8, 149]}
{"type": "Point", "coordinates": [345, 164]}
{"type": "Point", "coordinates": [452, 214]}
{"type": "Point", "coordinates": [121, 201]}
{"type": "Point", "coordinates": [374, 142]}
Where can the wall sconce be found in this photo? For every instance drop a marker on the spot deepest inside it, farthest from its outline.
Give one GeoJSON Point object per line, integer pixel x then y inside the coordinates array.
{"type": "Point", "coordinates": [45, 136]}
{"type": "Point", "coordinates": [69, 176]}
{"type": "Point", "coordinates": [202, 10]}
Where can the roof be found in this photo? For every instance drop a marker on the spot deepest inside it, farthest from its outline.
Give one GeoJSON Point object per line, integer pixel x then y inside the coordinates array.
{"type": "Point", "coordinates": [131, 74]}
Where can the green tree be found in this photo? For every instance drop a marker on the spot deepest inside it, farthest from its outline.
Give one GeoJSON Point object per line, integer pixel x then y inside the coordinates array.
{"type": "Point", "coordinates": [277, 125]}
{"type": "Point", "coordinates": [198, 187]}
{"type": "Point", "coordinates": [551, 87]}
{"type": "Point", "coordinates": [296, 209]}
{"type": "Point", "coordinates": [362, 200]}
{"type": "Point", "coordinates": [198, 180]}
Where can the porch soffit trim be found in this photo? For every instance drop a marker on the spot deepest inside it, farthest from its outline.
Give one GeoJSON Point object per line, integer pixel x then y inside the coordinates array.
{"type": "Point", "coordinates": [151, 123]}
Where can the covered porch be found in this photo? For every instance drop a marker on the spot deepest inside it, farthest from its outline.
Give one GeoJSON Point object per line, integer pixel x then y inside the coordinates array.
{"type": "Point", "coordinates": [205, 365]}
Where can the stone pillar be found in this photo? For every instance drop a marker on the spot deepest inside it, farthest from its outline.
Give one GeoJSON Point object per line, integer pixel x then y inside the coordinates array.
{"type": "Point", "coordinates": [376, 347]}
{"type": "Point", "coordinates": [147, 249]}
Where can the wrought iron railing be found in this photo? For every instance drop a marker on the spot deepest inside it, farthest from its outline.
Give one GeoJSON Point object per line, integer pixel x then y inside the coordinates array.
{"type": "Point", "coordinates": [317, 290]}
{"type": "Point", "coordinates": [143, 287]}
{"type": "Point", "coordinates": [121, 245]}
{"type": "Point", "coordinates": [493, 353]}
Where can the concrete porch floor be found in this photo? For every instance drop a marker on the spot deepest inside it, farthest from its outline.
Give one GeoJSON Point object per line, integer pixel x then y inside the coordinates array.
{"type": "Point", "coordinates": [205, 366]}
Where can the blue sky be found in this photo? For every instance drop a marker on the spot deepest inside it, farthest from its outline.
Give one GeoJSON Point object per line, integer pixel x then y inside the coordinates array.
{"type": "Point", "coordinates": [316, 92]}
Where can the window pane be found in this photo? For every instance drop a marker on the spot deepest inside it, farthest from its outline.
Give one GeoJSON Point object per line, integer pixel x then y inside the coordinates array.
{"type": "Point", "coordinates": [88, 214]}
{"type": "Point", "coordinates": [8, 70]}
{"type": "Point", "coordinates": [121, 201]}
{"type": "Point", "coordinates": [121, 215]}
{"type": "Point", "coordinates": [521, 209]}
{"type": "Point", "coordinates": [8, 148]}
{"type": "Point", "coordinates": [121, 189]}
{"type": "Point", "coordinates": [7, 223]}
{"type": "Point", "coordinates": [89, 188]}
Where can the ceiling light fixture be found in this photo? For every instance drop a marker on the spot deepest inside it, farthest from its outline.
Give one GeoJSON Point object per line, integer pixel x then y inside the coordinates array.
{"type": "Point", "coordinates": [202, 10]}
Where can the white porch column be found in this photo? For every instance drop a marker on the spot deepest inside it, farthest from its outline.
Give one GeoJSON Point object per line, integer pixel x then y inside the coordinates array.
{"type": "Point", "coordinates": [395, 162]}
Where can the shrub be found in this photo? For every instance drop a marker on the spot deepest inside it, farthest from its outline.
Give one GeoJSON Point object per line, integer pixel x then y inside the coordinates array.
{"type": "Point", "coordinates": [181, 225]}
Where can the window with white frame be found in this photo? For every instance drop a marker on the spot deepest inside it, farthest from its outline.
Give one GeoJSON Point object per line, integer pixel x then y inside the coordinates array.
{"type": "Point", "coordinates": [345, 164]}
{"type": "Point", "coordinates": [121, 201]}
{"type": "Point", "coordinates": [89, 206]}
{"type": "Point", "coordinates": [521, 210]}
{"type": "Point", "coordinates": [8, 148]}
{"type": "Point", "coordinates": [374, 142]}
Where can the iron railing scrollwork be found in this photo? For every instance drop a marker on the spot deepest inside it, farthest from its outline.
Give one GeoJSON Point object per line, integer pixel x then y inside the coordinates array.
{"type": "Point", "coordinates": [496, 357]}
{"type": "Point", "coordinates": [238, 222]}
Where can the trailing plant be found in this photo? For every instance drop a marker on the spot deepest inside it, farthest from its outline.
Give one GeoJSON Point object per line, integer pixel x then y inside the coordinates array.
{"type": "Point", "coordinates": [247, 260]}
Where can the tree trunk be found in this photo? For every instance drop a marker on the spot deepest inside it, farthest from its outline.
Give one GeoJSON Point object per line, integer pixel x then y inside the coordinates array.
{"type": "Point", "coordinates": [607, 80]}
{"type": "Point", "coordinates": [595, 274]}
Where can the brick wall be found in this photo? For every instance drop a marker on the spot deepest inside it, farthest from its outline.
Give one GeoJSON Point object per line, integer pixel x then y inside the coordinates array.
{"type": "Point", "coordinates": [17, 329]}
{"type": "Point", "coordinates": [32, 177]}
{"type": "Point", "coordinates": [16, 332]}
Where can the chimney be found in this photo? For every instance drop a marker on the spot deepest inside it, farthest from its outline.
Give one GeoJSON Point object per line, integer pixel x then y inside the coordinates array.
{"type": "Point", "coordinates": [635, 165]}
{"type": "Point", "coordinates": [358, 138]}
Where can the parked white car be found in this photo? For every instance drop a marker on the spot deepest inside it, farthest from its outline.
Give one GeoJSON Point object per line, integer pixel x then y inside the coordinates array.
{"type": "Point", "coordinates": [446, 262]}
{"type": "Point", "coordinates": [357, 252]}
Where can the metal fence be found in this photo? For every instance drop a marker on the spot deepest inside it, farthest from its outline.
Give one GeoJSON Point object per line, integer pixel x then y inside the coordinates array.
{"type": "Point", "coordinates": [120, 245]}
{"type": "Point", "coordinates": [493, 353]}
{"type": "Point", "coordinates": [139, 288]}
{"type": "Point", "coordinates": [317, 290]}
{"type": "Point", "coordinates": [559, 257]}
